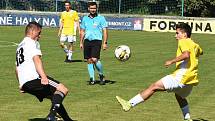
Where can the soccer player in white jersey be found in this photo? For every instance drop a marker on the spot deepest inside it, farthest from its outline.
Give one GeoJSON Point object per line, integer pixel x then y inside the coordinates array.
{"type": "Point", "coordinates": [32, 77]}
{"type": "Point", "coordinates": [182, 80]}
{"type": "Point", "coordinates": [69, 21]}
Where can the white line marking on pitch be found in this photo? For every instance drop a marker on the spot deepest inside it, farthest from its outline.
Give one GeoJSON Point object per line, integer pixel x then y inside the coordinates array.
{"type": "Point", "coordinates": [9, 44]}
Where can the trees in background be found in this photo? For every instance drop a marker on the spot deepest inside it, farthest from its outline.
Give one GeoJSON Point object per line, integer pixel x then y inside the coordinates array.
{"type": "Point", "coordinates": [193, 8]}
{"type": "Point", "coordinates": [30, 5]}
{"type": "Point", "coordinates": [200, 8]}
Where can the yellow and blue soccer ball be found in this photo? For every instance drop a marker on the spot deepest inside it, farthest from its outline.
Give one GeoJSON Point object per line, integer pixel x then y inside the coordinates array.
{"type": "Point", "coordinates": [122, 53]}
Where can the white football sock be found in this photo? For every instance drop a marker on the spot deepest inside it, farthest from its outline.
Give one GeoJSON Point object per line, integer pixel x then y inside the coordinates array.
{"type": "Point", "coordinates": [65, 50]}
{"type": "Point", "coordinates": [70, 55]}
{"type": "Point", "coordinates": [186, 112]}
{"type": "Point", "coordinates": [136, 100]}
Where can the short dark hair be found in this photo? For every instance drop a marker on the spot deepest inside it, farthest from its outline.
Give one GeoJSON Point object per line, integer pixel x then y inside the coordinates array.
{"type": "Point", "coordinates": [67, 2]}
{"type": "Point", "coordinates": [91, 4]}
{"type": "Point", "coordinates": [32, 25]}
{"type": "Point", "coordinates": [184, 27]}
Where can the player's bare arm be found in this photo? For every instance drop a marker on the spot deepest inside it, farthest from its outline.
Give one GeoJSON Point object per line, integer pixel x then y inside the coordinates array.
{"type": "Point", "coordinates": [40, 70]}
{"type": "Point", "coordinates": [60, 29]}
{"type": "Point", "coordinates": [20, 88]}
{"type": "Point", "coordinates": [105, 37]}
{"type": "Point", "coordinates": [185, 55]}
{"type": "Point", "coordinates": [78, 26]}
{"type": "Point", "coordinates": [81, 38]}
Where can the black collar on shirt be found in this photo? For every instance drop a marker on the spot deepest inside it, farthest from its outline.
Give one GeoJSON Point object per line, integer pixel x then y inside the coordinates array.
{"type": "Point", "coordinates": [92, 16]}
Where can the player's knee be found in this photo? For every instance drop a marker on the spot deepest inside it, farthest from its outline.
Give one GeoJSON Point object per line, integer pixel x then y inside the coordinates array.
{"type": "Point", "coordinates": [70, 48]}
{"type": "Point", "coordinates": [62, 88]}
{"type": "Point", "coordinates": [66, 90]}
{"type": "Point", "coordinates": [90, 61]}
{"type": "Point", "coordinates": [155, 87]}
{"type": "Point", "coordinates": [70, 44]}
{"type": "Point", "coordinates": [62, 44]}
{"type": "Point", "coordinates": [94, 60]}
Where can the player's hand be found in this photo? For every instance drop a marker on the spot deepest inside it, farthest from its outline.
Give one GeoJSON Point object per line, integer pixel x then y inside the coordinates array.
{"type": "Point", "coordinates": [59, 33]}
{"type": "Point", "coordinates": [168, 63]}
{"type": "Point", "coordinates": [105, 46]}
{"type": "Point", "coordinates": [20, 90]}
{"type": "Point", "coordinates": [81, 46]}
{"type": "Point", "coordinates": [44, 81]}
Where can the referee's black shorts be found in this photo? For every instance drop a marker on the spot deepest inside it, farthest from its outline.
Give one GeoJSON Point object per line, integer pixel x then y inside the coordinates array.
{"type": "Point", "coordinates": [39, 90]}
{"type": "Point", "coordinates": [92, 49]}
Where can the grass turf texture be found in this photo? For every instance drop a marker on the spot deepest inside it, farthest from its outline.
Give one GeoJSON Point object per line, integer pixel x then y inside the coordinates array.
{"type": "Point", "coordinates": [97, 103]}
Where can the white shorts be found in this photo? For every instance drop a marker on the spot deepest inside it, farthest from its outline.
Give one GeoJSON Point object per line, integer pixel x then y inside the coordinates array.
{"type": "Point", "coordinates": [67, 38]}
{"type": "Point", "coordinates": [171, 84]}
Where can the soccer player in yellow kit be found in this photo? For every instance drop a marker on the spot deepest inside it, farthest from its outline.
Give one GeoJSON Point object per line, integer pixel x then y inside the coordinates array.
{"type": "Point", "coordinates": [179, 82]}
{"type": "Point", "coordinates": [68, 21]}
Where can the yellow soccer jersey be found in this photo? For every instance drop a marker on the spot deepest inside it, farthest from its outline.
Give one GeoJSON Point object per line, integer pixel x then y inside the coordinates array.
{"type": "Point", "coordinates": [68, 19]}
{"type": "Point", "coordinates": [186, 70]}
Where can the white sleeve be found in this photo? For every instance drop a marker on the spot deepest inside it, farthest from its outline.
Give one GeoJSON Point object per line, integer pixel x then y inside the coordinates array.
{"type": "Point", "coordinates": [35, 49]}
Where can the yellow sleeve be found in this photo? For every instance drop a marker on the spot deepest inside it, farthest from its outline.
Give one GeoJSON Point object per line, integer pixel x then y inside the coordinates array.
{"type": "Point", "coordinates": [76, 16]}
{"type": "Point", "coordinates": [198, 50]}
{"type": "Point", "coordinates": [184, 45]}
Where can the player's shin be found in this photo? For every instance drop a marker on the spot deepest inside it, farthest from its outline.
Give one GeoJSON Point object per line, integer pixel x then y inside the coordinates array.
{"type": "Point", "coordinates": [70, 55]}
{"type": "Point", "coordinates": [136, 100]}
{"type": "Point", "coordinates": [91, 70]}
{"type": "Point", "coordinates": [62, 112]}
{"type": "Point", "coordinates": [64, 47]}
{"type": "Point", "coordinates": [186, 112]}
{"type": "Point", "coordinates": [99, 67]}
{"type": "Point", "coordinates": [57, 100]}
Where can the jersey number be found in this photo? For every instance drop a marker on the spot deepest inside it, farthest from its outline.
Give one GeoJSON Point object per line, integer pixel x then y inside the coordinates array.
{"type": "Point", "coordinates": [19, 57]}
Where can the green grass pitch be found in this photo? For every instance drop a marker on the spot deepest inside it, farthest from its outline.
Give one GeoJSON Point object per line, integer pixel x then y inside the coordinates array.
{"type": "Point", "coordinates": [97, 103]}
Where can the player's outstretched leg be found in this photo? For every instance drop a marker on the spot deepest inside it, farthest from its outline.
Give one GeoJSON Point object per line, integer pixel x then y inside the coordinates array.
{"type": "Point", "coordinates": [126, 106]}
{"type": "Point", "coordinates": [141, 97]}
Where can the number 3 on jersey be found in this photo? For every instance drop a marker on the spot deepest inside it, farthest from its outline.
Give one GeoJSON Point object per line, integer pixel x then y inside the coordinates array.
{"type": "Point", "coordinates": [19, 57]}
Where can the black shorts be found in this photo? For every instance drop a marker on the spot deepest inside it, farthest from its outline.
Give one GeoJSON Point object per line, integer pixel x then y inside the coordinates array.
{"type": "Point", "coordinates": [39, 90]}
{"type": "Point", "coordinates": [92, 49]}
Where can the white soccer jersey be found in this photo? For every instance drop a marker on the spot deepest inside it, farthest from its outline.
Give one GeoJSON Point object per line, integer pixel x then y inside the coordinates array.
{"type": "Point", "coordinates": [25, 52]}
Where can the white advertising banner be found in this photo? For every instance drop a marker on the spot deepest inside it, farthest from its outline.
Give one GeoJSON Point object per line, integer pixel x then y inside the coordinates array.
{"type": "Point", "coordinates": [168, 25]}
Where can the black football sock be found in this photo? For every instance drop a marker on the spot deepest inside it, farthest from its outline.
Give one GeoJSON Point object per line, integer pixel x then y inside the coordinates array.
{"type": "Point", "coordinates": [57, 100]}
{"type": "Point", "coordinates": [62, 112]}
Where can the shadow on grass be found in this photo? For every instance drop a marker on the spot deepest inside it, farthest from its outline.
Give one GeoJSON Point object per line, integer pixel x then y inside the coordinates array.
{"type": "Point", "coordinates": [43, 119]}
{"type": "Point", "coordinates": [79, 61]}
{"type": "Point", "coordinates": [74, 61]}
{"type": "Point", "coordinates": [200, 119]}
{"type": "Point", "coordinates": [37, 119]}
{"type": "Point", "coordinates": [106, 81]}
